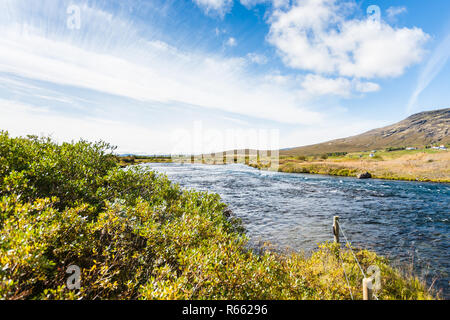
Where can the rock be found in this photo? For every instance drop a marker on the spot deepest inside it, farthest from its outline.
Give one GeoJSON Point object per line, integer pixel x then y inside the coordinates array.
{"type": "Point", "coordinates": [365, 175]}
{"type": "Point", "coordinates": [227, 212]}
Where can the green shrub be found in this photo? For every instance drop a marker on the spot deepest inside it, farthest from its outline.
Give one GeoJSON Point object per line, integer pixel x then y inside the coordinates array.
{"type": "Point", "coordinates": [128, 159]}
{"type": "Point", "coordinates": [135, 235]}
{"type": "Point", "coordinates": [337, 154]}
{"type": "Point", "coordinates": [39, 168]}
{"type": "Point", "coordinates": [389, 149]}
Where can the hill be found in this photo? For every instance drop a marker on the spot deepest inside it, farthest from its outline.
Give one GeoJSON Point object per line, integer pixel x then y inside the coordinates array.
{"type": "Point", "coordinates": [418, 130]}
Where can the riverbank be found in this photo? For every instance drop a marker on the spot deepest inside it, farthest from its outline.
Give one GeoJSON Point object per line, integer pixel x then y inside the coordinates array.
{"type": "Point", "coordinates": [424, 165]}
{"type": "Point", "coordinates": [135, 235]}
{"type": "Point", "coordinates": [416, 165]}
{"type": "Point", "coordinates": [125, 161]}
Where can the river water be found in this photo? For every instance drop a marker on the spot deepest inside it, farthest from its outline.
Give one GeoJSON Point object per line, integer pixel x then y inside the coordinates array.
{"type": "Point", "coordinates": [405, 221]}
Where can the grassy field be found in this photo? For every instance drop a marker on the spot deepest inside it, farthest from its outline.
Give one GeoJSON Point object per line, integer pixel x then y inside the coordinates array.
{"type": "Point", "coordinates": [136, 235]}
{"type": "Point", "coordinates": [412, 165]}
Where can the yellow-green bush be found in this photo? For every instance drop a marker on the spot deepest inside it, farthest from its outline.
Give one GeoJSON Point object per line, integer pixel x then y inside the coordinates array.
{"type": "Point", "coordinates": [135, 235]}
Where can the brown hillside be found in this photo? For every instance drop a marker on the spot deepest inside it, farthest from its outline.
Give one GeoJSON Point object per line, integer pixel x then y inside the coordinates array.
{"type": "Point", "coordinates": [418, 130]}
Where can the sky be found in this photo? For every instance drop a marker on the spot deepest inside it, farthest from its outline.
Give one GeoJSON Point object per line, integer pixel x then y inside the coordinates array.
{"type": "Point", "coordinates": [167, 77]}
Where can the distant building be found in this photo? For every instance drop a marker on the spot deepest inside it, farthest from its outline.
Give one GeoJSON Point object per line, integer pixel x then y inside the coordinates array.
{"type": "Point", "coordinates": [411, 148]}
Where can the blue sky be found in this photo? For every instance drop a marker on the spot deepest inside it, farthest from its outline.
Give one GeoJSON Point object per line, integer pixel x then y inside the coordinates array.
{"type": "Point", "coordinates": [151, 76]}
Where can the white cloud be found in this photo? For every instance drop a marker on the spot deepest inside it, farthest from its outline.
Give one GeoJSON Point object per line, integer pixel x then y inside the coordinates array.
{"type": "Point", "coordinates": [279, 79]}
{"type": "Point", "coordinates": [275, 3]}
{"type": "Point", "coordinates": [231, 42]}
{"type": "Point", "coordinates": [257, 58]}
{"type": "Point", "coordinates": [361, 86]}
{"type": "Point", "coordinates": [22, 119]}
{"type": "Point", "coordinates": [317, 36]}
{"type": "Point", "coordinates": [434, 65]}
{"type": "Point", "coordinates": [319, 85]}
{"type": "Point", "coordinates": [215, 7]}
{"type": "Point", "coordinates": [392, 12]}
{"type": "Point", "coordinates": [218, 31]}
{"type": "Point", "coordinates": [222, 7]}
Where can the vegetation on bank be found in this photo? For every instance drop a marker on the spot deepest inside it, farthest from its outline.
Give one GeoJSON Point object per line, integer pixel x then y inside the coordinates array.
{"type": "Point", "coordinates": [125, 161]}
{"type": "Point", "coordinates": [399, 164]}
{"type": "Point", "coordinates": [135, 235]}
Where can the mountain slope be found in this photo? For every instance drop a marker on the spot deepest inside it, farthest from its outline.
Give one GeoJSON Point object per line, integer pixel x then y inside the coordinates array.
{"type": "Point", "coordinates": [418, 130]}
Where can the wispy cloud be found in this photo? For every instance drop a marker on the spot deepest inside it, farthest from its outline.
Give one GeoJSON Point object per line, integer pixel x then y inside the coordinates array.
{"type": "Point", "coordinates": [257, 58]}
{"type": "Point", "coordinates": [231, 42]}
{"type": "Point", "coordinates": [434, 65]}
{"type": "Point", "coordinates": [142, 69]}
{"type": "Point", "coordinates": [215, 7]}
{"type": "Point", "coordinates": [392, 12]}
{"type": "Point", "coordinates": [40, 121]}
{"type": "Point", "coordinates": [319, 85]}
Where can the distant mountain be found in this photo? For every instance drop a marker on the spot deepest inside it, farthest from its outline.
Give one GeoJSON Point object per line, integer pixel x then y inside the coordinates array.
{"type": "Point", "coordinates": [418, 130]}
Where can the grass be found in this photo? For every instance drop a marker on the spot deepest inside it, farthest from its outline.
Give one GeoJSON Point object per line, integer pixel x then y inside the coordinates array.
{"type": "Point", "coordinates": [136, 235]}
{"type": "Point", "coordinates": [125, 161]}
{"type": "Point", "coordinates": [410, 165]}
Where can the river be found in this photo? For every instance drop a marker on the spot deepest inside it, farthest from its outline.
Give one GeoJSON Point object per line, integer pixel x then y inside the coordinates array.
{"type": "Point", "coordinates": [407, 222]}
